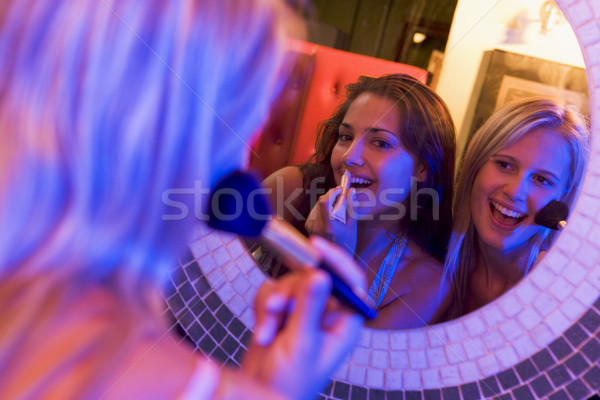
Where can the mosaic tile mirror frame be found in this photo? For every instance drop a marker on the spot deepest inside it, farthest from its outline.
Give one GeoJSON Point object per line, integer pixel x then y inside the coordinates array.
{"type": "Point", "coordinates": [539, 340]}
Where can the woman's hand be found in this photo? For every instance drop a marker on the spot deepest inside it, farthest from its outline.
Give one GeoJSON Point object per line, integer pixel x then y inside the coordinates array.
{"type": "Point", "coordinates": [302, 334]}
{"type": "Point", "coordinates": [320, 222]}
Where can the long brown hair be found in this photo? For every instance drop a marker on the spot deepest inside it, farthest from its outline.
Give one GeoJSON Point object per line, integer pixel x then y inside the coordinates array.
{"type": "Point", "coordinates": [426, 131]}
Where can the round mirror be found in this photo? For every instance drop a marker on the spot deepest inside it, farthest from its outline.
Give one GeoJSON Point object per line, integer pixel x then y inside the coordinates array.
{"type": "Point", "coordinates": [537, 340]}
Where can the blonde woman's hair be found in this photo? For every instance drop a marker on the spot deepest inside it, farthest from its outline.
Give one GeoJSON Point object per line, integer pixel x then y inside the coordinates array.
{"type": "Point", "coordinates": [107, 105]}
{"type": "Point", "coordinates": [503, 128]}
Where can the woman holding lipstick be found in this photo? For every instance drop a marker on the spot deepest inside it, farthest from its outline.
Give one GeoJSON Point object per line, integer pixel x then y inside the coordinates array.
{"type": "Point", "coordinates": [527, 154]}
{"type": "Point", "coordinates": [395, 139]}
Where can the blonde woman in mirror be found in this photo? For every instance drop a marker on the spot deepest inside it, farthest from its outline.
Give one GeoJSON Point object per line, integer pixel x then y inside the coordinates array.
{"type": "Point", "coordinates": [395, 138]}
{"type": "Point", "coordinates": [108, 110]}
{"type": "Point", "coordinates": [527, 154]}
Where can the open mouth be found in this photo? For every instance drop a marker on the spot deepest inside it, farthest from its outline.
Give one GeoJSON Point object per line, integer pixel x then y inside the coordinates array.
{"type": "Point", "coordinates": [360, 183]}
{"type": "Point", "coordinates": [504, 215]}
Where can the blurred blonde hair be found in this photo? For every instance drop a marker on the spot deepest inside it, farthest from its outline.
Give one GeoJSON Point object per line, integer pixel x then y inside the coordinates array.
{"type": "Point", "coordinates": [104, 106]}
{"type": "Point", "coordinates": [503, 128]}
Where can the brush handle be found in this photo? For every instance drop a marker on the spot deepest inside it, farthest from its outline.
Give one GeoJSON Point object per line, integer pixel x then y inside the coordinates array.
{"type": "Point", "coordinates": [346, 295]}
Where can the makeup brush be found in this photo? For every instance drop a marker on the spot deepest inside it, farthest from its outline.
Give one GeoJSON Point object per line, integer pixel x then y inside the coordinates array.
{"type": "Point", "coordinates": [238, 205]}
{"type": "Point", "coordinates": [553, 215]}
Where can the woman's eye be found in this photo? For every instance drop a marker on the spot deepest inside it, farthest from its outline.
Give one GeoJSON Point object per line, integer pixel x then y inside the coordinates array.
{"type": "Point", "coordinates": [503, 164]}
{"type": "Point", "coordinates": [543, 180]}
{"type": "Point", "coordinates": [382, 144]}
{"type": "Point", "coordinates": [344, 137]}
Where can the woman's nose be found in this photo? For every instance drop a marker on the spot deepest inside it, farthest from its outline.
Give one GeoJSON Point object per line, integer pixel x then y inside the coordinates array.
{"type": "Point", "coordinates": [354, 154]}
{"type": "Point", "coordinates": [516, 188]}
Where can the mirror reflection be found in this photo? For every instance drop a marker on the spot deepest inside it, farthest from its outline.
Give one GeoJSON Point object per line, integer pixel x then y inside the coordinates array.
{"type": "Point", "coordinates": [396, 139]}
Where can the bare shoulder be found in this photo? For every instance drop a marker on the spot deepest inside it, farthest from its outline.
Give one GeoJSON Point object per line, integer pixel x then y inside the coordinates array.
{"type": "Point", "coordinates": [423, 262]}
{"type": "Point", "coordinates": [287, 177]}
{"type": "Point", "coordinates": [285, 187]}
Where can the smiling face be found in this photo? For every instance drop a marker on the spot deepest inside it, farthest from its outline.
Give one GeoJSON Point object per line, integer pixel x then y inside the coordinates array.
{"type": "Point", "coordinates": [514, 184]}
{"type": "Point", "coordinates": [369, 147]}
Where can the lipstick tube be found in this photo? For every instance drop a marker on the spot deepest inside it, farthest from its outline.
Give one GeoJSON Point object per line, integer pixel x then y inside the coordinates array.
{"type": "Point", "coordinates": [339, 208]}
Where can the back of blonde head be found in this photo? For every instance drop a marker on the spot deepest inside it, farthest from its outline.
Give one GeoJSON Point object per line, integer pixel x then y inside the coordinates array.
{"type": "Point", "coordinates": [104, 106]}
{"type": "Point", "coordinates": [503, 128]}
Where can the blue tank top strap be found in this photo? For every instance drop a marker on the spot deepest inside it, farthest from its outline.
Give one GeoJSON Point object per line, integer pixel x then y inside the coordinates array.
{"type": "Point", "coordinates": [386, 272]}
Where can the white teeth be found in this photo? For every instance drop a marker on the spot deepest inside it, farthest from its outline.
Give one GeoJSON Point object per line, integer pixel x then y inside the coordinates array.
{"type": "Point", "coordinates": [506, 211]}
{"type": "Point", "coordinates": [361, 181]}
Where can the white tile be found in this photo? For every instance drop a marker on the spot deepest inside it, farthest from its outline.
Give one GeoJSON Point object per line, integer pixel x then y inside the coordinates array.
{"type": "Point", "coordinates": [469, 371]}
{"type": "Point", "coordinates": [525, 347]}
{"type": "Point", "coordinates": [580, 13]}
{"type": "Point", "coordinates": [588, 255]}
{"type": "Point", "coordinates": [399, 340]}
{"type": "Point", "coordinates": [586, 293]}
{"type": "Point", "coordinates": [241, 285]}
{"type": "Point", "coordinates": [556, 261]}
{"type": "Point", "coordinates": [256, 278]}
{"type": "Point", "coordinates": [357, 375]}
{"type": "Point", "coordinates": [507, 357]}
{"type": "Point", "coordinates": [593, 53]}
{"type": "Point", "coordinates": [542, 335]}
{"type": "Point", "coordinates": [557, 322]}
{"type": "Point", "coordinates": [573, 309]}
{"type": "Point", "coordinates": [544, 305]}
{"type": "Point", "coordinates": [246, 264]}
{"type": "Point", "coordinates": [380, 359]}
{"type": "Point", "coordinates": [235, 249]}
{"type": "Point", "coordinates": [247, 318]}
{"type": "Point", "coordinates": [221, 256]}
{"type": "Point", "coordinates": [231, 271]}
{"type": "Point", "coordinates": [375, 378]}
{"type": "Point", "coordinates": [380, 339]}
{"type": "Point", "coordinates": [489, 365]}
{"type": "Point", "coordinates": [474, 325]}
{"type": "Point", "coordinates": [450, 376]}
{"type": "Point", "coordinates": [575, 273]}
{"type": "Point", "coordinates": [475, 348]}
{"type": "Point", "coordinates": [207, 264]}
{"type": "Point", "coordinates": [412, 380]}
{"type": "Point", "coordinates": [588, 205]}
{"type": "Point", "coordinates": [511, 330]}
{"type": "Point", "coordinates": [226, 293]}
{"type": "Point", "coordinates": [542, 278]}
{"type": "Point", "coordinates": [595, 7]}
{"type": "Point", "coordinates": [361, 356]}
{"type": "Point", "coordinates": [492, 315]}
{"type": "Point", "coordinates": [437, 337]}
{"type": "Point", "coordinates": [237, 305]}
{"type": "Point", "coordinates": [456, 332]}
{"type": "Point", "coordinates": [561, 289]}
{"type": "Point", "coordinates": [509, 306]}
{"type": "Point", "coordinates": [455, 353]}
{"type": "Point", "coordinates": [393, 380]}
{"type": "Point", "coordinates": [216, 279]}
{"type": "Point", "coordinates": [526, 292]}
{"type": "Point", "coordinates": [417, 359]}
{"type": "Point", "coordinates": [431, 378]}
{"type": "Point", "coordinates": [342, 372]}
{"type": "Point", "coordinates": [568, 242]}
{"type": "Point", "coordinates": [399, 359]}
{"type": "Point", "coordinates": [493, 340]}
{"type": "Point", "coordinates": [529, 319]}
{"type": "Point", "coordinates": [250, 296]}
{"type": "Point", "coordinates": [198, 248]}
{"type": "Point", "coordinates": [213, 241]}
{"type": "Point", "coordinates": [365, 337]}
{"type": "Point", "coordinates": [436, 357]}
{"type": "Point", "coordinates": [417, 339]}
{"type": "Point", "coordinates": [588, 33]}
